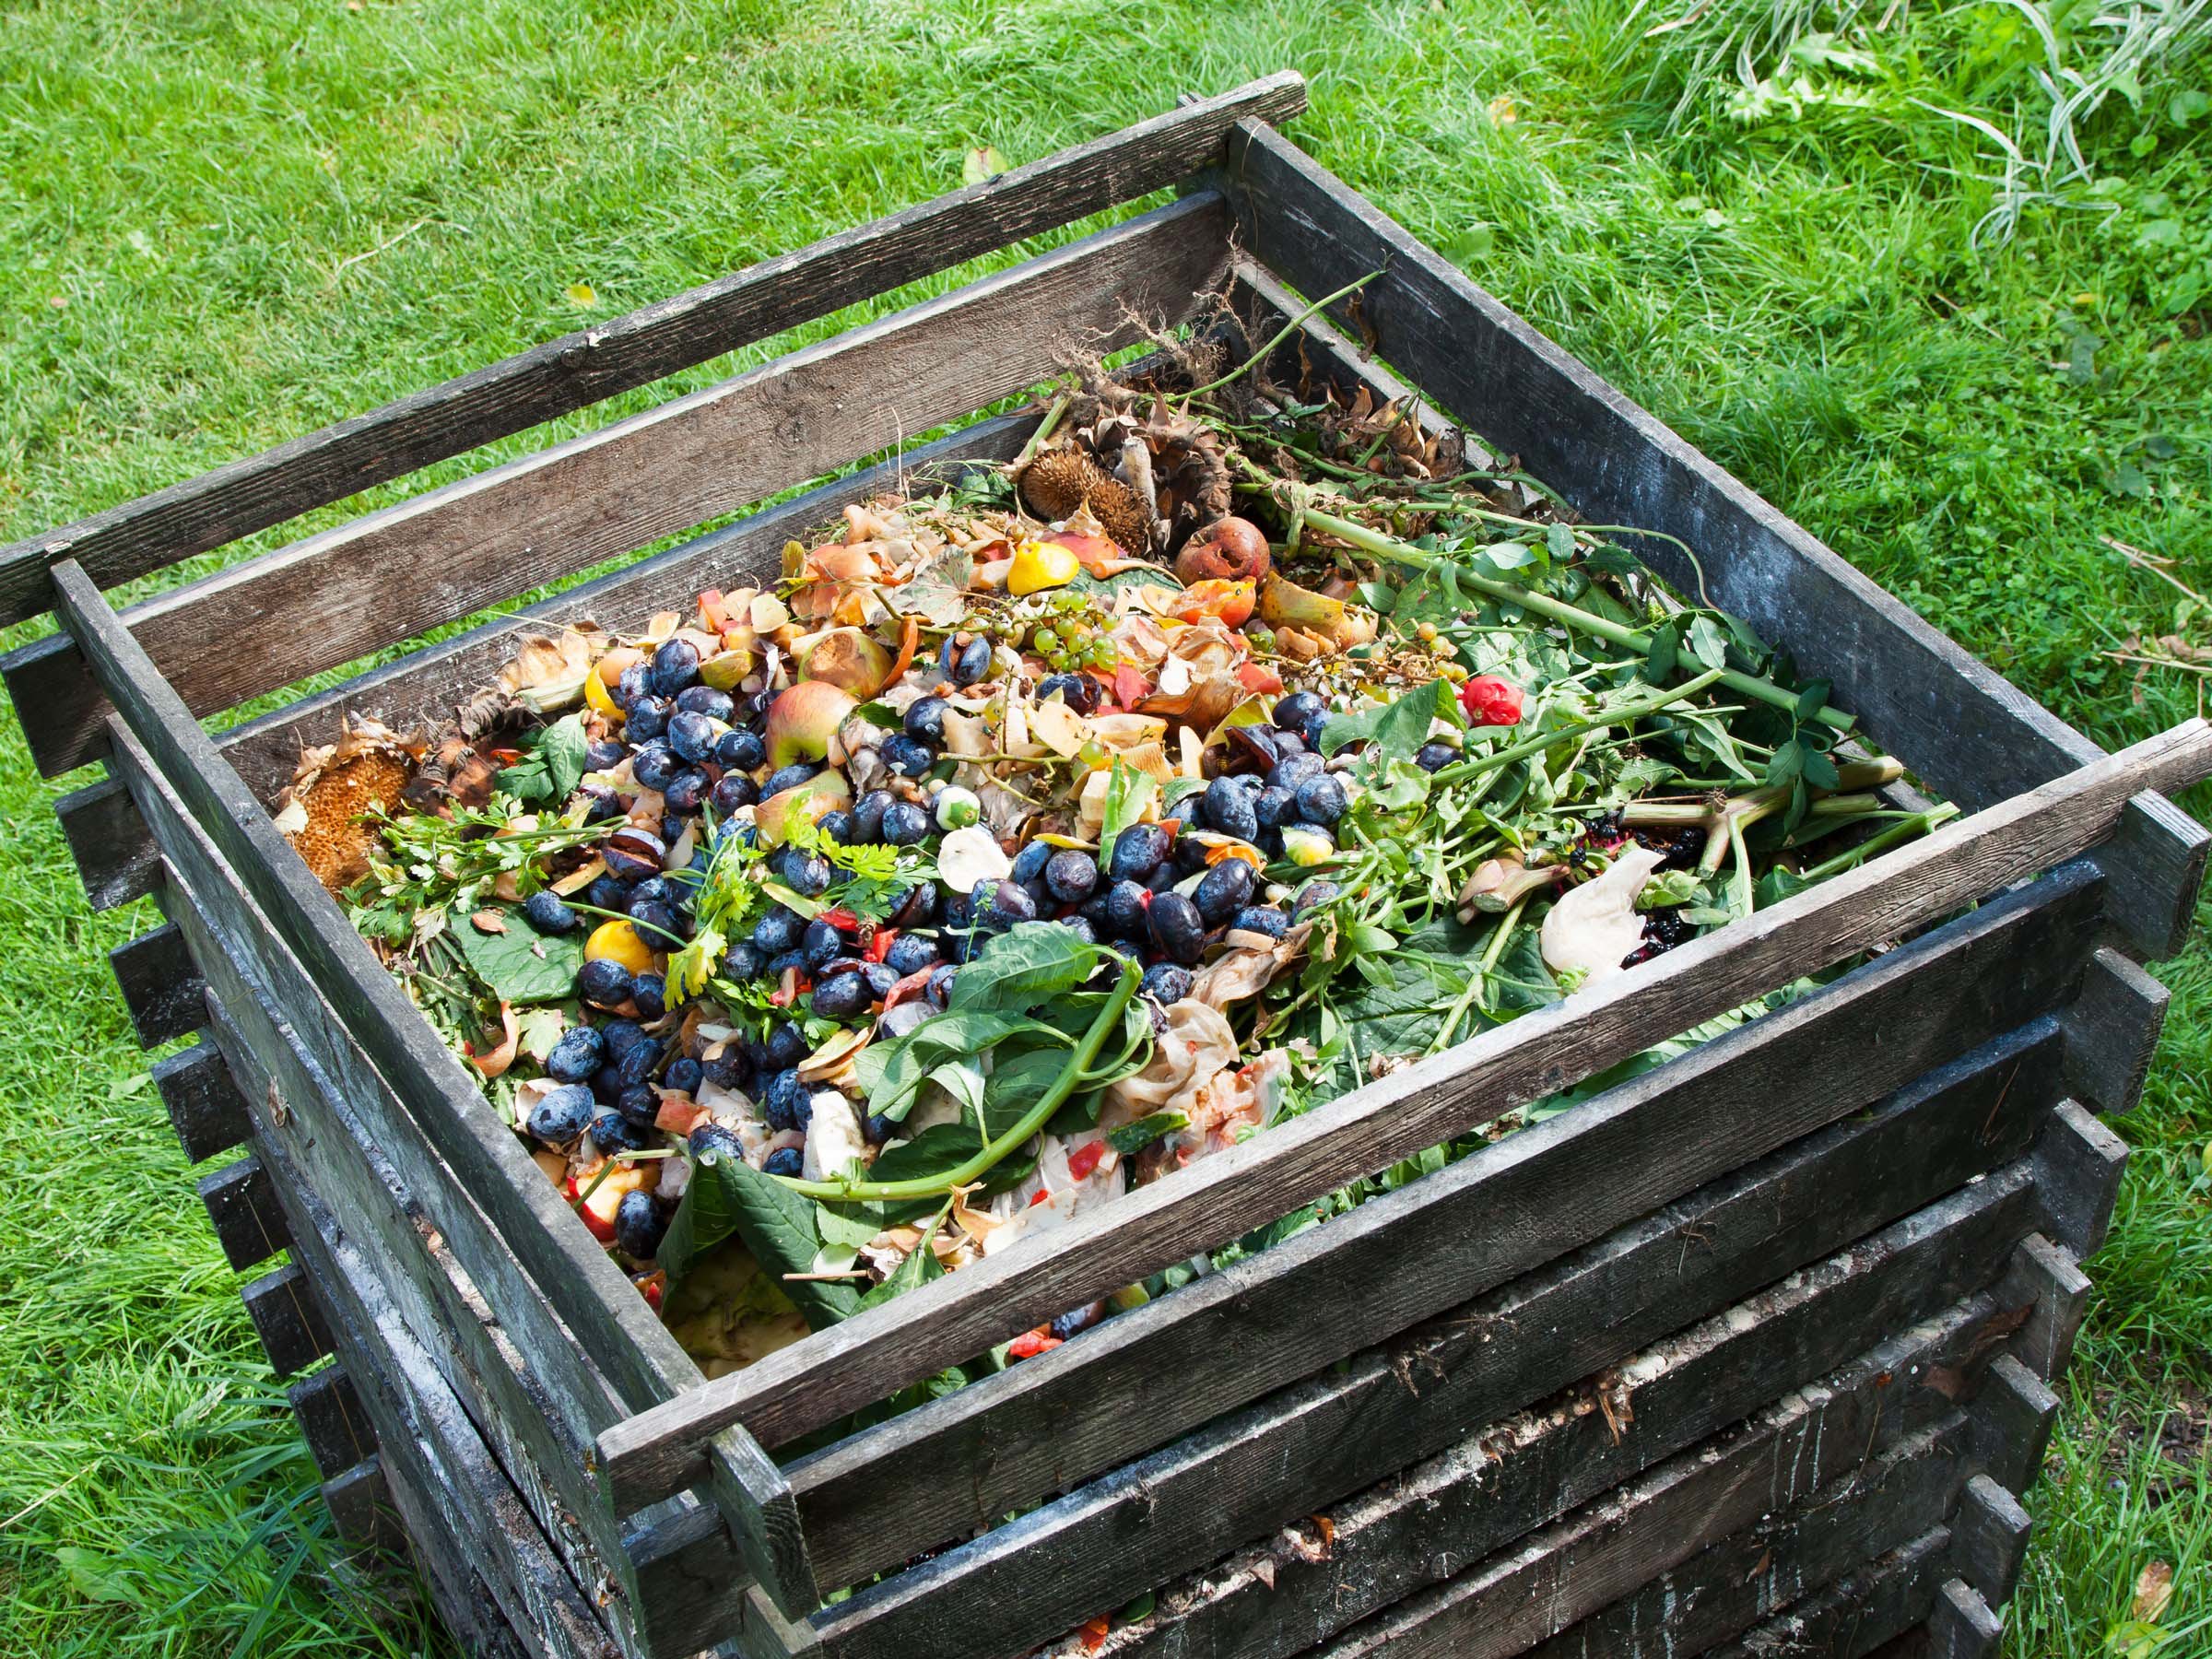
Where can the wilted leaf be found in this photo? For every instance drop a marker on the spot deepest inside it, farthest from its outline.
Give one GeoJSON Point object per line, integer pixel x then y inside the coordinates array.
{"type": "Point", "coordinates": [582, 294]}
{"type": "Point", "coordinates": [2154, 1589]}
{"type": "Point", "coordinates": [981, 164]}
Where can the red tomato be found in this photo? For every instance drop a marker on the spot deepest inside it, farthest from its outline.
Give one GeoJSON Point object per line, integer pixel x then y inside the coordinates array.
{"type": "Point", "coordinates": [1029, 1344]}
{"type": "Point", "coordinates": [1491, 702]}
{"type": "Point", "coordinates": [1085, 1158]}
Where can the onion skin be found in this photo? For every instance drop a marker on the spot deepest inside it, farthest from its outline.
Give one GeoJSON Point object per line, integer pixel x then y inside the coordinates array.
{"type": "Point", "coordinates": [1228, 549]}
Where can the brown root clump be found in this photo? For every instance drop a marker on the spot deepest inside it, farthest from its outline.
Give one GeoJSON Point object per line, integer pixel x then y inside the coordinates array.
{"type": "Point", "coordinates": [326, 811]}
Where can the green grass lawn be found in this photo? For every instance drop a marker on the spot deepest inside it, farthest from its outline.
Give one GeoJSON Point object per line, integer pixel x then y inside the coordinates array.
{"type": "Point", "coordinates": [224, 224]}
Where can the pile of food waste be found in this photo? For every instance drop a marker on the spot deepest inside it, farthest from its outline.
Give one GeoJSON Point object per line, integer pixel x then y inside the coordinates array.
{"type": "Point", "coordinates": [1034, 837]}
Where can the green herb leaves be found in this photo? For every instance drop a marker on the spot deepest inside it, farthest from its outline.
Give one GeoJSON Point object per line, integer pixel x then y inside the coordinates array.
{"type": "Point", "coordinates": [553, 768]}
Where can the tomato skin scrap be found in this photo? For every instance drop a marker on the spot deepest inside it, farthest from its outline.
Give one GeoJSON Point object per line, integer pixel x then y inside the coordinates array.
{"type": "Point", "coordinates": [1029, 1344]}
{"type": "Point", "coordinates": [1083, 1159]}
{"type": "Point", "coordinates": [1094, 1632]}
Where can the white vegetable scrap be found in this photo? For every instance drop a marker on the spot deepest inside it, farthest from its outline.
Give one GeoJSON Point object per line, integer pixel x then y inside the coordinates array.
{"type": "Point", "coordinates": [1593, 927]}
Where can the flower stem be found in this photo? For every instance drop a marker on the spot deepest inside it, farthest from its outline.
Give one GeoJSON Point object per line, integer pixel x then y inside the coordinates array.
{"type": "Point", "coordinates": [1627, 715]}
{"type": "Point", "coordinates": [1031, 1121]}
{"type": "Point", "coordinates": [1556, 611]}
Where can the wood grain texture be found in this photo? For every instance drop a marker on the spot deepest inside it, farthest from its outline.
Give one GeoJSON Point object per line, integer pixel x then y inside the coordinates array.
{"type": "Point", "coordinates": [242, 1207]}
{"type": "Point", "coordinates": [1989, 1539]}
{"type": "Point", "coordinates": [288, 1318]}
{"type": "Point", "coordinates": [452, 551]}
{"type": "Point", "coordinates": [331, 1419]}
{"type": "Point", "coordinates": [160, 986]}
{"type": "Point", "coordinates": [764, 1518]}
{"type": "Point", "coordinates": [2157, 861]}
{"type": "Point", "coordinates": [463, 1509]}
{"type": "Point", "coordinates": [635, 349]}
{"type": "Point", "coordinates": [917, 1335]}
{"type": "Point", "coordinates": [2079, 1166]}
{"type": "Point", "coordinates": [2044, 1279]}
{"type": "Point", "coordinates": [1428, 1524]}
{"type": "Point", "coordinates": [202, 1103]}
{"type": "Point", "coordinates": [2112, 1032]}
{"type": "Point", "coordinates": [2015, 1413]}
{"type": "Point", "coordinates": [1862, 1613]}
{"type": "Point", "coordinates": [518, 1371]}
{"type": "Point", "coordinates": [361, 1507]}
{"type": "Point", "coordinates": [1344, 1428]}
{"type": "Point", "coordinates": [114, 857]}
{"type": "Point", "coordinates": [1961, 1625]}
{"type": "Point", "coordinates": [879, 1496]}
{"type": "Point", "coordinates": [488, 1163]}
{"type": "Point", "coordinates": [1708, 1594]}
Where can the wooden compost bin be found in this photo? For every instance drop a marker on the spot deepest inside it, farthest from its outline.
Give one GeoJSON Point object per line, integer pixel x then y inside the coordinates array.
{"type": "Point", "coordinates": [1747, 1354]}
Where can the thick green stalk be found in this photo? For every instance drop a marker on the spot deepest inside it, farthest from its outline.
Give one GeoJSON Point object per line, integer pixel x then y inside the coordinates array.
{"type": "Point", "coordinates": [1627, 715]}
{"type": "Point", "coordinates": [1556, 610]}
{"type": "Point", "coordinates": [1905, 829]}
{"type": "Point", "coordinates": [975, 1169]}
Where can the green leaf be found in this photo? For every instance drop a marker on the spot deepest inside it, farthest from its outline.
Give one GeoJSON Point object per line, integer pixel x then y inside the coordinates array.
{"type": "Point", "coordinates": [727, 1197]}
{"type": "Point", "coordinates": [1708, 643]}
{"type": "Point", "coordinates": [937, 1149]}
{"type": "Point", "coordinates": [836, 1227]}
{"type": "Point", "coordinates": [1129, 793]}
{"type": "Point", "coordinates": [1666, 646]}
{"type": "Point", "coordinates": [1030, 963]}
{"type": "Point", "coordinates": [1812, 699]}
{"type": "Point", "coordinates": [1017, 1079]}
{"type": "Point", "coordinates": [1396, 729]}
{"type": "Point", "coordinates": [1559, 539]}
{"type": "Point", "coordinates": [521, 965]}
{"type": "Point", "coordinates": [553, 766]}
{"type": "Point", "coordinates": [1132, 1138]}
{"type": "Point", "coordinates": [920, 1266]}
{"type": "Point", "coordinates": [981, 163]}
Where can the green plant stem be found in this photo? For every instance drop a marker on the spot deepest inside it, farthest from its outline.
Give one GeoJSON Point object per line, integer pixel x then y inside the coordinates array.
{"type": "Point", "coordinates": [1543, 605]}
{"type": "Point", "coordinates": [593, 910]}
{"type": "Point", "coordinates": [1905, 829]}
{"type": "Point", "coordinates": [933, 1186]}
{"type": "Point", "coordinates": [1627, 715]}
{"type": "Point", "coordinates": [1283, 333]}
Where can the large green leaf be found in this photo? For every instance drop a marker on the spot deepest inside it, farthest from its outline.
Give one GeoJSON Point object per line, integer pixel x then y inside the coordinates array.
{"type": "Point", "coordinates": [728, 1196]}
{"type": "Point", "coordinates": [521, 965]}
{"type": "Point", "coordinates": [1026, 965]}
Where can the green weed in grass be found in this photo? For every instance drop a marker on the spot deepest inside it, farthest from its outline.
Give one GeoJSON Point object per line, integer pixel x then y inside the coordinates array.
{"type": "Point", "coordinates": [224, 226]}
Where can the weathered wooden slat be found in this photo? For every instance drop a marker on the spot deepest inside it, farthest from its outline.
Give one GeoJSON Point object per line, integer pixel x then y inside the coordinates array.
{"type": "Point", "coordinates": [2014, 1414]}
{"type": "Point", "coordinates": [241, 1205]}
{"type": "Point", "coordinates": [883, 1494]}
{"type": "Point", "coordinates": [160, 986]}
{"type": "Point", "coordinates": [452, 551]}
{"type": "Point", "coordinates": [465, 1603]}
{"type": "Point", "coordinates": [633, 351]}
{"type": "Point", "coordinates": [1428, 1524]}
{"type": "Point", "coordinates": [1705, 1595]}
{"type": "Point", "coordinates": [838, 1370]}
{"type": "Point", "coordinates": [2080, 1178]}
{"type": "Point", "coordinates": [114, 857]}
{"type": "Point", "coordinates": [486, 1163]}
{"type": "Point", "coordinates": [331, 1419]}
{"type": "Point", "coordinates": [288, 1318]}
{"type": "Point", "coordinates": [1858, 1614]}
{"type": "Point", "coordinates": [1989, 1539]}
{"type": "Point", "coordinates": [1344, 1429]}
{"type": "Point", "coordinates": [2157, 861]}
{"type": "Point", "coordinates": [2044, 1279]}
{"type": "Point", "coordinates": [518, 1373]}
{"type": "Point", "coordinates": [2113, 1032]}
{"type": "Point", "coordinates": [1961, 1626]}
{"type": "Point", "coordinates": [204, 1105]}
{"type": "Point", "coordinates": [361, 1508]}
{"type": "Point", "coordinates": [465, 1505]}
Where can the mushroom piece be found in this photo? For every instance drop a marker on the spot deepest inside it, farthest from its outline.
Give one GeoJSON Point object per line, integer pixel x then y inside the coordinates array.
{"type": "Point", "coordinates": [970, 856]}
{"type": "Point", "coordinates": [1594, 926]}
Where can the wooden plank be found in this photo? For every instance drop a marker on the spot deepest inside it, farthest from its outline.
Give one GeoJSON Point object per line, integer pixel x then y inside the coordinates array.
{"type": "Point", "coordinates": [288, 1319]}
{"type": "Point", "coordinates": [2044, 1279]}
{"type": "Point", "coordinates": [1857, 1615]}
{"type": "Point", "coordinates": [2112, 1032]}
{"type": "Point", "coordinates": [633, 351]}
{"type": "Point", "coordinates": [2157, 861]}
{"type": "Point", "coordinates": [879, 1496]}
{"type": "Point", "coordinates": [161, 986]}
{"type": "Point", "coordinates": [331, 1419]}
{"type": "Point", "coordinates": [533, 1397]}
{"type": "Point", "coordinates": [764, 1516]}
{"type": "Point", "coordinates": [452, 551]}
{"type": "Point", "coordinates": [1705, 1595]}
{"type": "Point", "coordinates": [2081, 1165]}
{"type": "Point", "coordinates": [1429, 1523]}
{"type": "Point", "coordinates": [361, 1508]}
{"type": "Point", "coordinates": [241, 1205]}
{"type": "Point", "coordinates": [1989, 1539]}
{"type": "Point", "coordinates": [835, 1371]}
{"type": "Point", "coordinates": [2015, 1413]}
{"type": "Point", "coordinates": [204, 1105]}
{"type": "Point", "coordinates": [1956, 722]}
{"type": "Point", "coordinates": [115, 860]}
{"type": "Point", "coordinates": [1344, 1428]}
{"type": "Point", "coordinates": [486, 1163]}
{"type": "Point", "coordinates": [467, 1506]}
{"type": "Point", "coordinates": [465, 1602]}
{"type": "Point", "coordinates": [1961, 1626]}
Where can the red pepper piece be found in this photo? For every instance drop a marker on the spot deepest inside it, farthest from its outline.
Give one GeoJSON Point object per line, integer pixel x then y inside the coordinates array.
{"type": "Point", "coordinates": [1085, 1158]}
